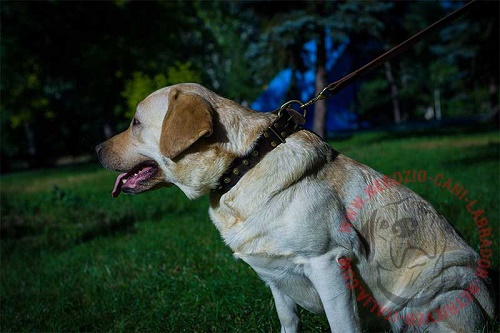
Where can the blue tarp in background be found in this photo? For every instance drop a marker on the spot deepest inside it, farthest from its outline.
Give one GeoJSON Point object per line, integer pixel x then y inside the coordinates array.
{"type": "Point", "coordinates": [338, 64]}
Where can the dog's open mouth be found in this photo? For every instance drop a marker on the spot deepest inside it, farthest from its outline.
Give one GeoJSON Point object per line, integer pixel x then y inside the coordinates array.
{"type": "Point", "coordinates": [136, 180]}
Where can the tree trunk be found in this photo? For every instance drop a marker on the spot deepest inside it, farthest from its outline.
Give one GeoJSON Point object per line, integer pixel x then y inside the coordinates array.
{"type": "Point", "coordinates": [320, 105]}
{"type": "Point", "coordinates": [30, 139]}
{"type": "Point", "coordinates": [394, 92]}
{"type": "Point", "coordinates": [494, 99]}
{"type": "Point", "coordinates": [293, 59]}
{"type": "Point", "coordinates": [437, 104]}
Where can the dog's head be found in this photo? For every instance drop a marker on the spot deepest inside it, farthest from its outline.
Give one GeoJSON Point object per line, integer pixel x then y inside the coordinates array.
{"type": "Point", "coordinates": [175, 138]}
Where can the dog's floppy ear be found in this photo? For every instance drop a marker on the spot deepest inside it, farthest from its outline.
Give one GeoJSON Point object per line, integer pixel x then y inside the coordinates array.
{"type": "Point", "coordinates": [188, 118]}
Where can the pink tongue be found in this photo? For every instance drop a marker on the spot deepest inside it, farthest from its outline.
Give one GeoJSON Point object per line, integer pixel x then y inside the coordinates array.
{"type": "Point", "coordinates": [118, 185]}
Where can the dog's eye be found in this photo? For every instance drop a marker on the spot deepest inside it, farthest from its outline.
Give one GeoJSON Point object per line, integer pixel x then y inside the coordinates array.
{"type": "Point", "coordinates": [135, 122]}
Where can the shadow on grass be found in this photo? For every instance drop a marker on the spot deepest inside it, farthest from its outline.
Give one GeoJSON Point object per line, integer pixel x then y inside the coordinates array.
{"type": "Point", "coordinates": [53, 235]}
{"type": "Point", "coordinates": [481, 154]}
{"type": "Point", "coordinates": [414, 130]}
{"type": "Point", "coordinates": [60, 219]}
{"type": "Point", "coordinates": [124, 224]}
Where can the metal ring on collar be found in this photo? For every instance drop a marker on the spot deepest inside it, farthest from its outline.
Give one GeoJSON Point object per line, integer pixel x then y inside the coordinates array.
{"type": "Point", "coordinates": [287, 104]}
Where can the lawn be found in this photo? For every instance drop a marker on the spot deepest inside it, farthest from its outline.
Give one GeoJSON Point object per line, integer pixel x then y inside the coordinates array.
{"type": "Point", "coordinates": [74, 259]}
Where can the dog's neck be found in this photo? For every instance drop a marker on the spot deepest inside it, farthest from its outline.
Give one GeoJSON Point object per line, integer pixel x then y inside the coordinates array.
{"type": "Point", "coordinates": [287, 123]}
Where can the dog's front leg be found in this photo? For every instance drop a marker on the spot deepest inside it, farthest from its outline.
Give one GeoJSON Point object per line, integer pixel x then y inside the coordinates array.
{"type": "Point", "coordinates": [287, 311]}
{"type": "Point", "coordinates": [338, 301]}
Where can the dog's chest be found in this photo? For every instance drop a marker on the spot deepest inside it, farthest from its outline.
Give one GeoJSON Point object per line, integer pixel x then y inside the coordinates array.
{"type": "Point", "coordinates": [276, 246]}
{"type": "Point", "coordinates": [274, 230]}
{"type": "Point", "coordinates": [288, 276]}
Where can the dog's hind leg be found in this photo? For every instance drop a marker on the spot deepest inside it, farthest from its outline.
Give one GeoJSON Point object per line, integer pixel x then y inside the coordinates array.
{"type": "Point", "coordinates": [287, 311]}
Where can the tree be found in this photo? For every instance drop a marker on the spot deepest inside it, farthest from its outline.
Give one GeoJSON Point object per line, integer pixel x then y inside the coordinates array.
{"type": "Point", "coordinates": [65, 65]}
{"type": "Point", "coordinates": [141, 85]}
{"type": "Point", "coordinates": [320, 83]}
{"type": "Point", "coordinates": [229, 63]}
{"type": "Point", "coordinates": [290, 28]}
{"type": "Point", "coordinates": [444, 75]}
{"type": "Point", "coordinates": [73, 72]}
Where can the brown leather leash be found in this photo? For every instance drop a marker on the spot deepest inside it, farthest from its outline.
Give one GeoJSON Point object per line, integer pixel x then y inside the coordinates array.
{"type": "Point", "coordinates": [337, 86]}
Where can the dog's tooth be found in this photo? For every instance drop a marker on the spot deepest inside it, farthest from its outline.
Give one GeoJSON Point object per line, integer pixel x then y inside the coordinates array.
{"type": "Point", "coordinates": [124, 181]}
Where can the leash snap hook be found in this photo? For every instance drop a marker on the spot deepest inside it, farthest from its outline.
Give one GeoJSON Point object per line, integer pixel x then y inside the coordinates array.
{"type": "Point", "coordinates": [325, 93]}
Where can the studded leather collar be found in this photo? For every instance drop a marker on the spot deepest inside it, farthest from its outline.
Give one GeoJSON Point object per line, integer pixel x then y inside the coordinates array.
{"type": "Point", "coordinates": [288, 122]}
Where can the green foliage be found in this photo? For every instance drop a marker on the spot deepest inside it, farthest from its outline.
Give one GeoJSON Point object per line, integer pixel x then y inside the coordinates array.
{"type": "Point", "coordinates": [64, 66]}
{"type": "Point", "coordinates": [182, 72]}
{"type": "Point", "coordinates": [441, 71]}
{"type": "Point", "coordinates": [232, 67]}
{"type": "Point", "coordinates": [371, 95]}
{"type": "Point", "coordinates": [29, 88]}
{"type": "Point", "coordinates": [141, 85]}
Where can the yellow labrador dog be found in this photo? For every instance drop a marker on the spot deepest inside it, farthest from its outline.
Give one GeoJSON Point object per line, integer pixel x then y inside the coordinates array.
{"type": "Point", "coordinates": [323, 231]}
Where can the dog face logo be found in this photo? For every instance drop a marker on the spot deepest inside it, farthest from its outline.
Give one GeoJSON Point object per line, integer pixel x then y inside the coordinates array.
{"type": "Point", "coordinates": [397, 236]}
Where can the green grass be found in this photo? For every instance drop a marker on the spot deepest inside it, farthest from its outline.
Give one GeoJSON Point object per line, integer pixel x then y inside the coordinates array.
{"type": "Point", "coordinates": [74, 259]}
